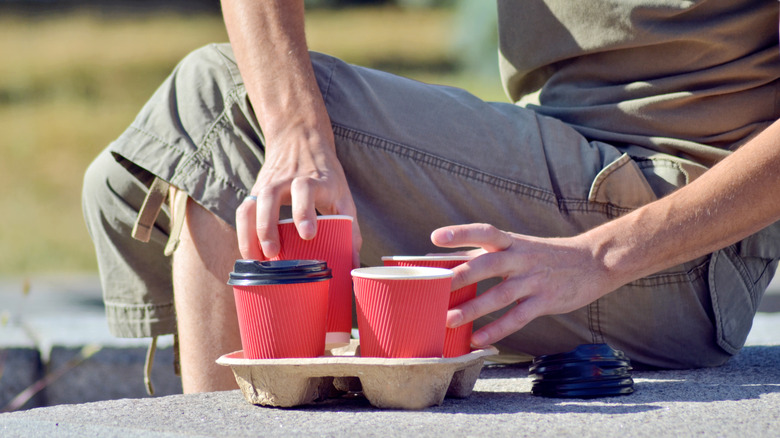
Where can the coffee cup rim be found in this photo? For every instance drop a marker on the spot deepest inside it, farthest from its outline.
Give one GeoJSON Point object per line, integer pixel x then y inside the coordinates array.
{"type": "Point", "coordinates": [322, 217]}
{"type": "Point", "coordinates": [402, 273]}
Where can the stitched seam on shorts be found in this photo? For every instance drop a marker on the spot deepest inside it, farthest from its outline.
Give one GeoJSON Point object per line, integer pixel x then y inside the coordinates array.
{"type": "Point", "coordinates": [326, 91]}
{"type": "Point", "coordinates": [157, 139]}
{"type": "Point", "coordinates": [667, 278]}
{"type": "Point", "coordinates": [123, 306]}
{"type": "Point", "coordinates": [594, 323]}
{"type": "Point", "coordinates": [422, 157]}
{"type": "Point", "coordinates": [747, 279]}
{"type": "Point", "coordinates": [190, 160]}
{"type": "Point", "coordinates": [223, 59]}
{"type": "Point", "coordinates": [199, 158]}
{"type": "Point", "coordinates": [442, 164]}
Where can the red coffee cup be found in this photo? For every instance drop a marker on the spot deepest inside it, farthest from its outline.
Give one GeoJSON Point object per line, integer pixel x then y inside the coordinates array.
{"type": "Point", "coordinates": [457, 341]}
{"type": "Point", "coordinates": [333, 244]}
{"type": "Point", "coordinates": [401, 311]}
{"type": "Point", "coordinates": [281, 307]}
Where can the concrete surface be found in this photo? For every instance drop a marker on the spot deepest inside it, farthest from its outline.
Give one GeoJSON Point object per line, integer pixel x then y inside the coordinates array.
{"type": "Point", "coordinates": [739, 399]}
{"type": "Point", "coordinates": [46, 330]}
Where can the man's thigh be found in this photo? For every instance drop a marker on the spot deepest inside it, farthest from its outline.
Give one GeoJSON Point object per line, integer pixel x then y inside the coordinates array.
{"type": "Point", "coordinates": [418, 157]}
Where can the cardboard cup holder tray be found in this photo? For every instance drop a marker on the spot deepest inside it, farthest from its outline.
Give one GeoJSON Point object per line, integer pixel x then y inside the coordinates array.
{"type": "Point", "coordinates": [385, 383]}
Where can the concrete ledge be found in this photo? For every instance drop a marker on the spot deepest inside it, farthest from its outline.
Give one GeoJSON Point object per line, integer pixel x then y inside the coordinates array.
{"type": "Point", "coordinates": [741, 398]}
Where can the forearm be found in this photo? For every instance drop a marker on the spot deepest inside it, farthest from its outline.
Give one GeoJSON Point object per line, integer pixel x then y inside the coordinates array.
{"type": "Point", "coordinates": [269, 43]}
{"type": "Point", "coordinates": [728, 203]}
{"type": "Point", "coordinates": [300, 166]}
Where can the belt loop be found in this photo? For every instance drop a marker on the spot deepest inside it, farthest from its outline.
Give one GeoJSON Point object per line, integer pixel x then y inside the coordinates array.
{"type": "Point", "coordinates": [148, 366]}
{"type": "Point", "coordinates": [142, 229]}
{"type": "Point", "coordinates": [178, 200]}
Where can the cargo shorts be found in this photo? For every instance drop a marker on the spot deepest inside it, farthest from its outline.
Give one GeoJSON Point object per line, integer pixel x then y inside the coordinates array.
{"type": "Point", "coordinates": [417, 157]}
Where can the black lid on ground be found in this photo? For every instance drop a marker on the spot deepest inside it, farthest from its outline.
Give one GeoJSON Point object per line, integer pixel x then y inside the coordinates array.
{"type": "Point", "coordinates": [257, 273]}
{"type": "Point", "coordinates": [585, 352]}
{"type": "Point", "coordinates": [590, 370]}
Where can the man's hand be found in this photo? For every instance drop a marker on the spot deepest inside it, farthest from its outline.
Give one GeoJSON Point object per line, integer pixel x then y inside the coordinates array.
{"type": "Point", "coordinates": [540, 277]}
{"type": "Point", "coordinates": [302, 171]}
{"type": "Point", "coordinates": [557, 275]}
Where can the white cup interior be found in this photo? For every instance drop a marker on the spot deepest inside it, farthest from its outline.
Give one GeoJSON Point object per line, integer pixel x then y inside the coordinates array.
{"type": "Point", "coordinates": [323, 217]}
{"type": "Point", "coordinates": [402, 273]}
{"type": "Point", "coordinates": [431, 258]}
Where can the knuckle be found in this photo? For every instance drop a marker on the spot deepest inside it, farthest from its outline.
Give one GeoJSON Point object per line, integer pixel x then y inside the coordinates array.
{"type": "Point", "coordinates": [264, 229]}
{"type": "Point", "coordinates": [515, 319]}
{"type": "Point", "coordinates": [268, 191]}
{"type": "Point", "coordinates": [245, 208]}
{"type": "Point", "coordinates": [244, 248]}
{"type": "Point", "coordinates": [304, 183]}
{"type": "Point", "coordinates": [505, 294]}
{"type": "Point", "coordinates": [469, 309]}
{"type": "Point", "coordinates": [487, 229]}
{"type": "Point", "coordinates": [461, 276]}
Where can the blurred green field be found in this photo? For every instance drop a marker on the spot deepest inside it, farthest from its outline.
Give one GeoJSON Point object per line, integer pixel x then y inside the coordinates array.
{"type": "Point", "coordinates": [71, 84]}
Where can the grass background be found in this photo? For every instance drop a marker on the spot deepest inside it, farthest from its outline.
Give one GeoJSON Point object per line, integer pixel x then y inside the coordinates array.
{"type": "Point", "coordinates": [70, 84]}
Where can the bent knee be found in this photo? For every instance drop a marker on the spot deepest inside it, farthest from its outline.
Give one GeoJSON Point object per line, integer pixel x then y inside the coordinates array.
{"type": "Point", "coordinates": [111, 195]}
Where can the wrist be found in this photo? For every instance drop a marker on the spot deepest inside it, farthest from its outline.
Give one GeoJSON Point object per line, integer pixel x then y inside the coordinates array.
{"type": "Point", "coordinates": [620, 251]}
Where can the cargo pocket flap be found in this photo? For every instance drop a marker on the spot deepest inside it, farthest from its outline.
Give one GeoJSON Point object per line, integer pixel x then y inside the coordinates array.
{"type": "Point", "coordinates": [733, 303]}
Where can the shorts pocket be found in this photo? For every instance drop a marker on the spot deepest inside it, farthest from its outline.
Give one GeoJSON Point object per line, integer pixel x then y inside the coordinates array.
{"type": "Point", "coordinates": [622, 184]}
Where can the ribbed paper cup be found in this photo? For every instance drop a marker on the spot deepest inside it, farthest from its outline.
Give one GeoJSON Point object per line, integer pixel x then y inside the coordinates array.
{"type": "Point", "coordinates": [401, 310]}
{"type": "Point", "coordinates": [333, 244]}
{"type": "Point", "coordinates": [457, 341]}
{"type": "Point", "coordinates": [281, 307]}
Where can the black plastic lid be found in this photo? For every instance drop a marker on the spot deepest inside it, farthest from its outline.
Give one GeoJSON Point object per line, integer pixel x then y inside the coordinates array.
{"type": "Point", "coordinates": [258, 273]}
{"type": "Point", "coordinates": [584, 352]}
{"type": "Point", "coordinates": [576, 366]}
{"type": "Point", "coordinates": [592, 390]}
{"type": "Point", "coordinates": [590, 370]}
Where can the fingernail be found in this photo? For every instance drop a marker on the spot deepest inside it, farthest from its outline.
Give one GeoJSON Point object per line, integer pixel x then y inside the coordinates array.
{"type": "Point", "coordinates": [306, 230]}
{"type": "Point", "coordinates": [442, 237]}
{"type": "Point", "coordinates": [454, 318]}
{"type": "Point", "coordinates": [270, 249]}
{"type": "Point", "coordinates": [479, 339]}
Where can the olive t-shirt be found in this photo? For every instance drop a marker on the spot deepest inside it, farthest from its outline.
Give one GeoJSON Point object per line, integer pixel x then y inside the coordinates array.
{"type": "Point", "coordinates": [694, 79]}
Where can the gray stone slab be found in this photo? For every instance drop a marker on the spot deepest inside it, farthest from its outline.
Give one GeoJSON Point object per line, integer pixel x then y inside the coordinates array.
{"type": "Point", "coordinates": [19, 369]}
{"type": "Point", "coordinates": [111, 373]}
{"type": "Point", "coordinates": [739, 399]}
{"type": "Point", "coordinates": [46, 321]}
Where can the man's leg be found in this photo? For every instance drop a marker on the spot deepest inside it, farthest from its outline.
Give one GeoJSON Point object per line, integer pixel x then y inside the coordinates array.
{"type": "Point", "coordinates": [416, 157]}
{"type": "Point", "coordinates": [205, 309]}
